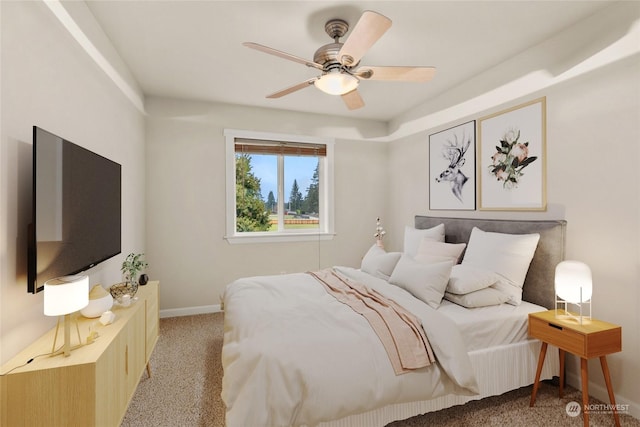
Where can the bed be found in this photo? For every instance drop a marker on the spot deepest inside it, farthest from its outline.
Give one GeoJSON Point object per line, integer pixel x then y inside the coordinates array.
{"type": "Point", "coordinates": [294, 355]}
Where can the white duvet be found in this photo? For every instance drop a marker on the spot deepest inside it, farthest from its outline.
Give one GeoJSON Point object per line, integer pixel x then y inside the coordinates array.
{"type": "Point", "coordinates": [293, 355]}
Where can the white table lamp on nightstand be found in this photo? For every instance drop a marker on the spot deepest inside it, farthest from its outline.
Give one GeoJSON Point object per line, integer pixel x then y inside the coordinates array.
{"type": "Point", "coordinates": [63, 296]}
{"type": "Point", "coordinates": [573, 285]}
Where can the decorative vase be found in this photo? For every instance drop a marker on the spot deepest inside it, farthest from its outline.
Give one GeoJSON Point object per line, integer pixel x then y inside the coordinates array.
{"type": "Point", "coordinates": [125, 288]}
{"type": "Point", "coordinates": [99, 302]}
{"type": "Point", "coordinates": [143, 280]}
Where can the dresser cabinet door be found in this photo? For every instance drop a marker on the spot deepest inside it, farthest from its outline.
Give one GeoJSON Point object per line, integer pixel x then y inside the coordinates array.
{"type": "Point", "coordinates": [119, 369]}
{"type": "Point", "coordinates": [135, 350]}
{"type": "Point", "coordinates": [111, 383]}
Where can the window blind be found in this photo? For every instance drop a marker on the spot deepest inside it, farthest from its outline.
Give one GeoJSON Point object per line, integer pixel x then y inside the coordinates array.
{"type": "Point", "coordinates": [258, 146]}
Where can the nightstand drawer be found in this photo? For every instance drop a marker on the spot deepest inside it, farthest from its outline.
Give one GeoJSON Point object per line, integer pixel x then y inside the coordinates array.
{"type": "Point", "coordinates": [557, 335]}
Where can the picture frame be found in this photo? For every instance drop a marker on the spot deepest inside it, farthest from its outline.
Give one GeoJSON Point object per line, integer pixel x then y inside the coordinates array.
{"type": "Point", "coordinates": [512, 158]}
{"type": "Point", "coordinates": [452, 168]}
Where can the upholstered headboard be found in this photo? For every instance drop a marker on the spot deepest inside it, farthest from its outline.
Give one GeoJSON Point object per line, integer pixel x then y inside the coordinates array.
{"type": "Point", "coordinates": [539, 284]}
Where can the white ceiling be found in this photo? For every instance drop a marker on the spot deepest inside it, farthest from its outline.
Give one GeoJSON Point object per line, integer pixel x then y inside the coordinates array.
{"type": "Point", "coordinates": [193, 49]}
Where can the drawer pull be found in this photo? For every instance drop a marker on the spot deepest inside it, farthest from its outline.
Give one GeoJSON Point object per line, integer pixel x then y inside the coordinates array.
{"type": "Point", "coordinates": [555, 326]}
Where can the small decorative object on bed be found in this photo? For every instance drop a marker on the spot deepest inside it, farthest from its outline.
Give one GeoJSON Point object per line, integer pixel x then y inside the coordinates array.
{"type": "Point", "coordinates": [512, 153]}
{"type": "Point", "coordinates": [452, 168]}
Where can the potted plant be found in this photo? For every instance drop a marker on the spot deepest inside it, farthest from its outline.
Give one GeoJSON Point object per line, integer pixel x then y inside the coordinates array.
{"type": "Point", "coordinates": [132, 266]}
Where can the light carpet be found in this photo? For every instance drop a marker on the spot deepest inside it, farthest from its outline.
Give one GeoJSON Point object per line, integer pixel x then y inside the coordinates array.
{"type": "Point", "coordinates": [186, 381]}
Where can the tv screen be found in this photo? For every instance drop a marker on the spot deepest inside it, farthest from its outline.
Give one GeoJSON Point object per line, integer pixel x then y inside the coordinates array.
{"type": "Point", "coordinates": [76, 220]}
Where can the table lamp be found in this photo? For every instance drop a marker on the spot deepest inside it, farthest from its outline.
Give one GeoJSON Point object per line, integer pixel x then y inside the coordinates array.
{"type": "Point", "coordinates": [573, 285]}
{"type": "Point", "coordinates": [63, 296]}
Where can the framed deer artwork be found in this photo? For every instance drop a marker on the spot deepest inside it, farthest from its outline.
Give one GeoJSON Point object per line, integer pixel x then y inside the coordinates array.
{"type": "Point", "coordinates": [452, 168]}
{"type": "Point", "coordinates": [512, 158]}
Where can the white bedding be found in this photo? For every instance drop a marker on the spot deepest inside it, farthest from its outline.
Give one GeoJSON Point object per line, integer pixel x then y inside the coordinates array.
{"type": "Point", "coordinates": [486, 327]}
{"type": "Point", "coordinates": [294, 355]}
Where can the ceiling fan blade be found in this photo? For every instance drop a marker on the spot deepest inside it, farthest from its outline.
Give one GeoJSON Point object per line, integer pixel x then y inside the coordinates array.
{"type": "Point", "coordinates": [369, 28]}
{"type": "Point", "coordinates": [281, 54]}
{"type": "Point", "coordinates": [292, 89]}
{"type": "Point", "coordinates": [353, 100]}
{"type": "Point", "coordinates": [403, 74]}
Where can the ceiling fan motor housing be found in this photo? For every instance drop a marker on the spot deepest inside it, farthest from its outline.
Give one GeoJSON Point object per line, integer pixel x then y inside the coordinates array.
{"type": "Point", "coordinates": [327, 55]}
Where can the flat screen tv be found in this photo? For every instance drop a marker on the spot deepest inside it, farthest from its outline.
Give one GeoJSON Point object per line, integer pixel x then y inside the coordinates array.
{"type": "Point", "coordinates": [76, 220]}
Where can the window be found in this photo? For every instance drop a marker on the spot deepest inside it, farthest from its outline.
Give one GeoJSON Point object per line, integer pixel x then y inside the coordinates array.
{"type": "Point", "coordinates": [279, 187]}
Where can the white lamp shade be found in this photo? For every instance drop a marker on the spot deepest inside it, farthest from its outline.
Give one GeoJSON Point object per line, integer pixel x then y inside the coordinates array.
{"type": "Point", "coordinates": [336, 83]}
{"type": "Point", "coordinates": [65, 295]}
{"type": "Point", "coordinates": [573, 281]}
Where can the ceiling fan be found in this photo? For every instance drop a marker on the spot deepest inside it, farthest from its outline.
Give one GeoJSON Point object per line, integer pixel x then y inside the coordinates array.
{"type": "Point", "coordinates": [339, 62]}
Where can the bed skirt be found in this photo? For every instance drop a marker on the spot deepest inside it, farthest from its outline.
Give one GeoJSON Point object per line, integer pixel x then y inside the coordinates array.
{"type": "Point", "coordinates": [498, 370]}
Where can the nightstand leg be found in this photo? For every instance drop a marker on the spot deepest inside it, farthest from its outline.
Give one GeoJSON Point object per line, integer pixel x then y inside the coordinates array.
{"type": "Point", "coordinates": [607, 380]}
{"type": "Point", "coordinates": [584, 370]}
{"type": "Point", "coordinates": [561, 357]}
{"type": "Point", "coordinates": [543, 353]}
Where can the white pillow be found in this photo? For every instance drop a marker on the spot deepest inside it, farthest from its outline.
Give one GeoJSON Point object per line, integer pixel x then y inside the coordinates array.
{"type": "Point", "coordinates": [379, 263]}
{"type": "Point", "coordinates": [431, 251]}
{"type": "Point", "coordinates": [513, 293]}
{"type": "Point", "coordinates": [426, 282]}
{"type": "Point", "coordinates": [413, 237]}
{"type": "Point", "coordinates": [509, 255]}
{"type": "Point", "coordinates": [466, 278]}
{"type": "Point", "coordinates": [479, 298]}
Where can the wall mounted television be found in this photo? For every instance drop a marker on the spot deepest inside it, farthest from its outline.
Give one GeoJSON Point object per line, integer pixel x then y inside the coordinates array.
{"type": "Point", "coordinates": [76, 219]}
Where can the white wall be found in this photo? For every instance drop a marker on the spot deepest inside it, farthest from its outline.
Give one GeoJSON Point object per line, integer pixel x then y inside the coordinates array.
{"type": "Point", "coordinates": [593, 129]}
{"type": "Point", "coordinates": [48, 81]}
{"type": "Point", "coordinates": [186, 194]}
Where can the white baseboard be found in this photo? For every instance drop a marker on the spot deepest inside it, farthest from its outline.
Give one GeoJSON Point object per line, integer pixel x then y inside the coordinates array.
{"type": "Point", "coordinates": [190, 311]}
{"type": "Point", "coordinates": [600, 392]}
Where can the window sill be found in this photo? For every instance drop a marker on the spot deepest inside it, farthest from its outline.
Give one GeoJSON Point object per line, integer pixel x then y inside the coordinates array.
{"type": "Point", "coordinates": [278, 238]}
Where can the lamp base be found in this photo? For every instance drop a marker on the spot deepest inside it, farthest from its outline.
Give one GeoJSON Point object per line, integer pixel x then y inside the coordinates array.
{"type": "Point", "coordinates": [66, 346]}
{"type": "Point", "coordinates": [579, 318]}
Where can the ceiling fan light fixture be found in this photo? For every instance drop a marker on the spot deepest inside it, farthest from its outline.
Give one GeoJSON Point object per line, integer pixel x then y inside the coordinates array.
{"type": "Point", "coordinates": [336, 83]}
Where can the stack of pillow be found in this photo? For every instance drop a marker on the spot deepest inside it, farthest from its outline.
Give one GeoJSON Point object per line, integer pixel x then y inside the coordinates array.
{"type": "Point", "coordinates": [491, 272]}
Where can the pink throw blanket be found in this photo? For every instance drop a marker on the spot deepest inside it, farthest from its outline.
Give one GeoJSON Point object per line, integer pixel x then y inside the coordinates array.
{"type": "Point", "coordinates": [399, 330]}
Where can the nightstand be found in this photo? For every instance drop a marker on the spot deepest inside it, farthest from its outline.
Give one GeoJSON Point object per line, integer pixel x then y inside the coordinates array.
{"type": "Point", "coordinates": [594, 338]}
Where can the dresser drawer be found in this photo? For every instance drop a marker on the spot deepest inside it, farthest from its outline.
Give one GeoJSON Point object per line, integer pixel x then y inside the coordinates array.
{"type": "Point", "coordinates": [557, 335]}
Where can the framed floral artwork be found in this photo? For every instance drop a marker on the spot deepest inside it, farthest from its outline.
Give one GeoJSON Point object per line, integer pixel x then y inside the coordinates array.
{"type": "Point", "coordinates": [512, 158]}
{"type": "Point", "coordinates": [452, 168]}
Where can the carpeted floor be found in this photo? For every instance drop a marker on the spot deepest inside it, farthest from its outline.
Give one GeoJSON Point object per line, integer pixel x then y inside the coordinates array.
{"type": "Point", "coordinates": [186, 373]}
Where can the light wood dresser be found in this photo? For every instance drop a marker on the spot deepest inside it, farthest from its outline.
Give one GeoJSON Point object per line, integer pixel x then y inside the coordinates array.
{"type": "Point", "coordinates": [94, 385]}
